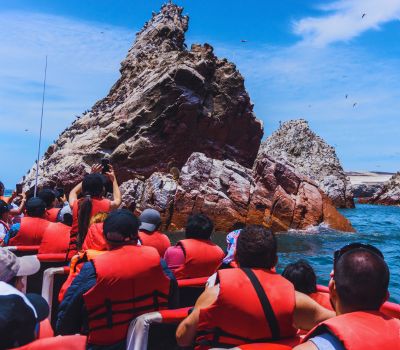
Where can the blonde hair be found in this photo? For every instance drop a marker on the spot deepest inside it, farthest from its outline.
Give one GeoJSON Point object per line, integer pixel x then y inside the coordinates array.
{"type": "Point", "coordinates": [99, 217]}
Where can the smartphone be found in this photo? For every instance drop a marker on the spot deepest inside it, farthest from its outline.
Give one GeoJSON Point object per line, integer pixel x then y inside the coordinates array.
{"type": "Point", "coordinates": [60, 191]}
{"type": "Point", "coordinates": [106, 165]}
{"type": "Point", "coordinates": [18, 188]}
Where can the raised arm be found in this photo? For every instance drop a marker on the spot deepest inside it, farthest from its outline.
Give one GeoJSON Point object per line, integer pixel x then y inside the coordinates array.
{"type": "Point", "coordinates": [21, 207]}
{"type": "Point", "coordinates": [116, 202]}
{"type": "Point", "coordinates": [73, 195]}
{"type": "Point", "coordinates": [308, 313]}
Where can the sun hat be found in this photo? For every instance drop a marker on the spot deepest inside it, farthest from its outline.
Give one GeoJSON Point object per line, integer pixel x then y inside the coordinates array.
{"type": "Point", "coordinates": [11, 265]}
{"type": "Point", "coordinates": [150, 220]}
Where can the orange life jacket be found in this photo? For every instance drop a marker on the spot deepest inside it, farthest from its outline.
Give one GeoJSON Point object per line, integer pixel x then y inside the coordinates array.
{"type": "Point", "coordinates": [362, 330]}
{"type": "Point", "coordinates": [52, 214]}
{"type": "Point", "coordinates": [253, 306]}
{"type": "Point", "coordinates": [31, 231]}
{"type": "Point", "coordinates": [67, 342]}
{"type": "Point", "coordinates": [75, 266]}
{"type": "Point", "coordinates": [5, 199]}
{"type": "Point", "coordinates": [130, 282]}
{"type": "Point", "coordinates": [95, 238]}
{"type": "Point", "coordinates": [322, 299]}
{"type": "Point", "coordinates": [156, 240]}
{"type": "Point", "coordinates": [98, 205]}
{"type": "Point", "coordinates": [55, 239]}
{"type": "Point", "coordinates": [202, 258]}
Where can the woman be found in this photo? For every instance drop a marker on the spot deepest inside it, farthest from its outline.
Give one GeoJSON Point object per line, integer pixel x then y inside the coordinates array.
{"type": "Point", "coordinates": [91, 203]}
{"type": "Point", "coordinates": [5, 219]}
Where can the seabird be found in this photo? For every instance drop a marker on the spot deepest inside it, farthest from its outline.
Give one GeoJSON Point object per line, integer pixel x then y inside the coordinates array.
{"type": "Point", "coordinates": [243, 41]}
{"type": "Point", "coordinates": [354, 104]}
{"type": "Point", "coordinates": [347, 95]}
{"type": "Point", "coordinates": [364, 14]}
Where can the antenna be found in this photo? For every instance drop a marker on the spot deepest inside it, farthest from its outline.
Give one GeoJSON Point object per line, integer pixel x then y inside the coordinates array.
{"type": "Point", "coordinates": [40, 132]}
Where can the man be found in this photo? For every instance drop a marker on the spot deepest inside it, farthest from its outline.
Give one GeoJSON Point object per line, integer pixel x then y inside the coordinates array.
{"type": "Point", "coordinates": [358, 288]}
{"type": "Point", "coordinates": [49, 197]}
{"type": "Point", "coordinates": [150, 221]}
{"type": "Point", "coordinates": [116, 286]}
{"type": "Point", "coordinates": [31, 228]}
{"type": "Point", "coordinates": [195, 256]}
{"type": "Point", "coordinates": [250, 304]}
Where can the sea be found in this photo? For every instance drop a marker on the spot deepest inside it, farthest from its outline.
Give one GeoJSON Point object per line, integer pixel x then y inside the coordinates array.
{"type": "Point", "coordinates": [374, 224]}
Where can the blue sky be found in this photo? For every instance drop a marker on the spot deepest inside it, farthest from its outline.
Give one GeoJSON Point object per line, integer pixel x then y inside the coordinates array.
{"type": "Point", "coordinates": [300, 60]}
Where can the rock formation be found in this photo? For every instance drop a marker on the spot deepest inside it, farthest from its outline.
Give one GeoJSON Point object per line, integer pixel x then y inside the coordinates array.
{"type": "Point", "coordinates": [168, 103]}
{"type": "Point", "coordinates": [180, 131]}
{"type": "Point", "coordinates": [389, 195]}
{"type": "Point", "coordinates": [366, 190]}
{"type": "Point", "coordinates": [295, 144]}
{"type": "Point", "coordinates": [271, 194]}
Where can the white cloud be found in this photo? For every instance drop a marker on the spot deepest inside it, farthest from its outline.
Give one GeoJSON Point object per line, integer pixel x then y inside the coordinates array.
{"type": "Point", "coordinates": [343, 20]}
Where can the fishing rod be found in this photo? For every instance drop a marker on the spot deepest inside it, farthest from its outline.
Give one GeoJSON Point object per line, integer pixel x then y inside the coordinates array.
{"type": "Point", "coordinates": [40, 132]}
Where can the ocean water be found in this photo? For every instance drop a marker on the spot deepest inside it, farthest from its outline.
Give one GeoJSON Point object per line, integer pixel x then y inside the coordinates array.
{"type": "Point", "coordinates": [376, 225]}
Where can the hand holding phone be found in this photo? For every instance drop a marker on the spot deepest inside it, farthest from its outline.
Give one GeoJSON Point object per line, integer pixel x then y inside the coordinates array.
{"type": "Point", "coordinates": [18, 188]}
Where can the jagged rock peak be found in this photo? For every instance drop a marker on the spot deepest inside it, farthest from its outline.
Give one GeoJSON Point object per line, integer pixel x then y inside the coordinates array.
{"type": "Point", "coordinates": [294, 143]}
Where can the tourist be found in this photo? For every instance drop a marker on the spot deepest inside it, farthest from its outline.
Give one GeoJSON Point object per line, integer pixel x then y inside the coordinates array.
{"type": "Point", "coordinates": [18, 207]}
{"type": "Point", "coordinates": [95, 237]}
{"type": "Point", "coordinates": [127, 272]}
{"type": "Point", "coordinates": [303, 277]}
{"type": "Point", "coordinates": [195, 256]}
{"type": "Point", "coordinates": [231, 239]}
{"type": "Point", "coordinates": [237, 303]}
{"type": "Point", "coordinates": [2, 196]}
{"type": "Point", "coordinates": [5, 219]}
{"type": "Point", "coordinates": [31, 229]}
{"type": "Point", "coordinates": [20, 316]}
{"type": "Point", "coordinates": [50, 197]}
{"type": "Point", "coordinates": [150, 221]}
{"type": "Point", "coordinates": [92, 202]}
{"type": "Point", "coordinates": [358, 288]}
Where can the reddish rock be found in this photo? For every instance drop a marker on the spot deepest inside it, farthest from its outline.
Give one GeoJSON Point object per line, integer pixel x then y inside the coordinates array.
{"type": "Point", "coordinates": [388, 195]}
{"type": "Point", "coordinates": [331, 217]}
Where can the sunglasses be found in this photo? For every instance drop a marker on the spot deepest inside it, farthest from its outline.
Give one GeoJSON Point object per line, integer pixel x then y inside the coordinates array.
{"type": "Point", "coordinates": [352, 246]}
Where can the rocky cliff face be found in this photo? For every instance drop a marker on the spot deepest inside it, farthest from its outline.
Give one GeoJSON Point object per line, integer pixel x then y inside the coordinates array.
{"type": "Point", "coordinates": [168, 103]}
{"type": "Point", "coordinates": [295, 144]}
{"type": "Point", "coordinates": [271, 194]}
{"type": "Point", "coordinates": [187, 111]}
{"type": "Point", "coordinates": [389, 194]}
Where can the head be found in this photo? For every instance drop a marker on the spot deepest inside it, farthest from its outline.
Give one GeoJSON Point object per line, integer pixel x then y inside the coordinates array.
{"type": "Point", "coordinates": [150, 220]}
{"type": "Point", "coordinates": [256, 248]}
{"type": "Point", "coordinates": [49, 197]}
{"type": "Point", "coordinates": [92, 185]}
{"type": "Point", "coordinates": [199, 226]}
{"type": "Point", "coordinates": [302, 275]}
{"type": "Point", "coordinates": [360, 279]}
{"type": "Point", "coordinates": [4, 211]}
{"type": "Point", "coordinates": [1, 189]}
{"type": "Point", "coordinates": [19, 316]}
{"type": "Point", "coordinates": [35, 207]}
{"type": "Point", "coordinates": [121, 228]}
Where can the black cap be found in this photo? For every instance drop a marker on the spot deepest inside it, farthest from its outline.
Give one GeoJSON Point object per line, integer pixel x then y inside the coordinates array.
{"type": "Point", "coordinates": [19, 316]}
{"type": "Point", "coordinates": [4, 207]}
{"type": "Point", "coordinates": [119, 225]}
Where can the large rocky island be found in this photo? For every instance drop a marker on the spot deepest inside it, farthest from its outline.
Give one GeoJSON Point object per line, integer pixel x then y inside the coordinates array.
{"type": "Point", "coordinates": [180, 130]}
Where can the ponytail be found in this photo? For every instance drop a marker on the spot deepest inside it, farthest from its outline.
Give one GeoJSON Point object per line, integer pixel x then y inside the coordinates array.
{"type": "Point", "coordinates": [84, 211]}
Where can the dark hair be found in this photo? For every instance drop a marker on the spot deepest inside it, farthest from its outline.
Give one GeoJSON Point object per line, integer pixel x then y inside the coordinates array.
{"type": "Point", "coordinates": [362, 279]}
{"type": "Point", "coordinates": [35, 207]}
{"type": "Point", "coordinates": [92, 186]}
{"type": "Point", "coordinates": [199, 226]}
{"type": "Point", "coordinates": [256, 247]}
{"type": "Point", "coordinates": [237, 226]}
{"type": "Point", "coordinates": [1, 186]}
{"type": "Point", "coordinates": [67, 219]}
{"type": "Point", "coordinates": [48, 197]}
{"type": "Point", "coordinates": [302, 275]}
{"type": "Point", "coordinates": [119, 225]}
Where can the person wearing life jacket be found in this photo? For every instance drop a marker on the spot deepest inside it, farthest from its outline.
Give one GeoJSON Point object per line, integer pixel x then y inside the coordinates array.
{"type": "Point", "coordinates": [195, 256]}
{"type": "Point", "coordinates": [303, 277]}
{"type": "Point", "coordinates": [32, 226]}
{"type": "Point", "coordinates": [92, 202]}
{"type": "Point", "coordinates": [116, 286]}
{"type": "Point", "coordinates": [49, 197]}
{"type": "Point", "coordinates": [150, 221]}
{"type": "Point", "coordinates": [20, 316]}
{"type": "Point", "coordinates": [94, 239]}
{"type": "Point", "coordinates": [8, 200]}
{"type": "Point", "coordinates": [251, 303]}
{"type": "Point", "coordinates": [5, 219]}
{"type": "Point", "coordinates": [358, 288]}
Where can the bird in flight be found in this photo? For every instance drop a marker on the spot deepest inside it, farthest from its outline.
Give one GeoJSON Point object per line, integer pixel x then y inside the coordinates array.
{"type": "Point", "coordinates": [354, 104]}
{"type": "Point", "coordinates": [243, 41]}
{"type": "Point", "coordinates": [101, 32]}
{"type": "Point", "coordinates": [347, 95]}
{"type": "Point", "coordinates": [363, 15]}
{"type": "Point", "coordinates": [26, 129]}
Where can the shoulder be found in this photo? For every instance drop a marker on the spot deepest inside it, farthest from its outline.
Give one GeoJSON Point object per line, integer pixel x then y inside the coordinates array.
{"type": "Point", "coordinates": [327, 341]}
